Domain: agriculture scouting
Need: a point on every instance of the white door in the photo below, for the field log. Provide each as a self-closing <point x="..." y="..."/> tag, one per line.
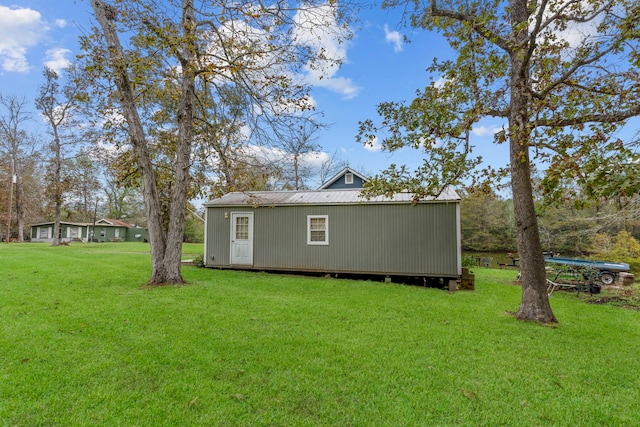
<point x="242" y="238"/>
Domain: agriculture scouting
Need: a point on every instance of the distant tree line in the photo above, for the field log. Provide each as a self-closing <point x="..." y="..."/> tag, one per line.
<point x="609" y="227"/>
<point x="77" y="171"/>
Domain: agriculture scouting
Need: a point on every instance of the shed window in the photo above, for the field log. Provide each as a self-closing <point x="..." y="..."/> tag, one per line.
<point x="242" y="228"/>
<point x="348" y="178"/>
<point x="317" y="229"/>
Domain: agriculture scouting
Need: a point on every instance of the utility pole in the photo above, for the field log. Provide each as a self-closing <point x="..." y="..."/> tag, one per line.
<point x="12" y="180"/>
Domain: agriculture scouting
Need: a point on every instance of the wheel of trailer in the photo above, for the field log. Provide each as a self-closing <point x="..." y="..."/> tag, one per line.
<point x="607" y="278"/>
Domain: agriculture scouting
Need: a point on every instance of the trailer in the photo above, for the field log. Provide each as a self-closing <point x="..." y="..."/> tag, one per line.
<point x="608" y="270"/>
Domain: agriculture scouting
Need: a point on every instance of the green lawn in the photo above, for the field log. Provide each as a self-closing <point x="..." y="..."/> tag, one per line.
<point x="83" y="342"/>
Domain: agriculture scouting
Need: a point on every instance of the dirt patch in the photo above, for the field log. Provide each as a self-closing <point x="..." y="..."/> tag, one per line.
<point x="606" y="300"/>
<point x="622" y="301"/>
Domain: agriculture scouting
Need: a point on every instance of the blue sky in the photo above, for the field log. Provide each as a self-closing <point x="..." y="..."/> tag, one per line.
<point x="377" y="66"/>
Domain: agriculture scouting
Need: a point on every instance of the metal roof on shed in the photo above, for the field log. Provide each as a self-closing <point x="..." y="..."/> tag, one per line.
<point x="320" y="197"/>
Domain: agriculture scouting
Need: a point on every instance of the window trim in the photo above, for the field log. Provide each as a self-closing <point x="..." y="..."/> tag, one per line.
<point x="348" y="178"/>
<point x="44" y="233"/>
<point x="324" y="242"/>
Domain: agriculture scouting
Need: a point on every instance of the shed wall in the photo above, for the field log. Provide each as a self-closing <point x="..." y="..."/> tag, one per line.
<point x="420" y="240"/>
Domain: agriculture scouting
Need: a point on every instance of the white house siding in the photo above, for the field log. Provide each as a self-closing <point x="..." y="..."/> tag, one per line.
<point x="43" y="234"/>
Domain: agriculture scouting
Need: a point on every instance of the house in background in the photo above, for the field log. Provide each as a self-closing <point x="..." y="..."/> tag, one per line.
<point x="345" y="179"/>
<point x="104" y="230"/>
<point x="335" y="231"/>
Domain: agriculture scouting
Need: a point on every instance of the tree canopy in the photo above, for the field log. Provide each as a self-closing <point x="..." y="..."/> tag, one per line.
<point x="187" y="74"/>
<point x="60" y="108"/>
<point x="562" y="74"/>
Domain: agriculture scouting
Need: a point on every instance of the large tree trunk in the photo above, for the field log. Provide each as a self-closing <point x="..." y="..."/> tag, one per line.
<point x="173" y="254"/>
<point x="157" y="239"/>
<point x="535" y="301"/>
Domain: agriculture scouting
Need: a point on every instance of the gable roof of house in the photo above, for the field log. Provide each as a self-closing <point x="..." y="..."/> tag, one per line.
<point x="322" y="197"/>
<point x="79" y="224"/>
<point x="339" y="175"/>
<point x="113" y="222"/>
<point x="104" y="222"/>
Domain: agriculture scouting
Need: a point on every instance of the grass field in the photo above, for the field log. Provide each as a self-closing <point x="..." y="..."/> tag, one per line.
<point x="84" y="343"/>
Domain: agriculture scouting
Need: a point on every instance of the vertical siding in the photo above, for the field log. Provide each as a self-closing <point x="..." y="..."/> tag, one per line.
<point x="342" y="184"/>
<point x="218" y="237"/>
<point x="369" y="238"/>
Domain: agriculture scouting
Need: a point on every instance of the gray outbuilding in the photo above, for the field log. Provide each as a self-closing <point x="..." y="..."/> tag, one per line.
<point x="335" y="231"/>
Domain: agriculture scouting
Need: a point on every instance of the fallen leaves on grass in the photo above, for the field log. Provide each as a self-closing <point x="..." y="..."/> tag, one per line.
<point x="470" y="394"/>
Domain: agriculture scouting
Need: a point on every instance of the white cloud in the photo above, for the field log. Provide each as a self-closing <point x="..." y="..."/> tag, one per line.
<point x="373" y="145"/>
<point x="114" y="117"/>
<point x="484" y="130"/>
<point x="439" y="84"/>
<point x="315" y="159"/>
<point x="61" y="23"/>
<point x="341" y="85"/>
<point x="292" y="106"/>
<point x="56" y="59"/>
<point x="318" y="29"/>
<point x="312" y="159"/>
<point x="20" y="30"/>
<point x="573" y="32"/>
<point x="63" y="115"/>
<point x="315" y="28"/>
<point x="393" y="37"/>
